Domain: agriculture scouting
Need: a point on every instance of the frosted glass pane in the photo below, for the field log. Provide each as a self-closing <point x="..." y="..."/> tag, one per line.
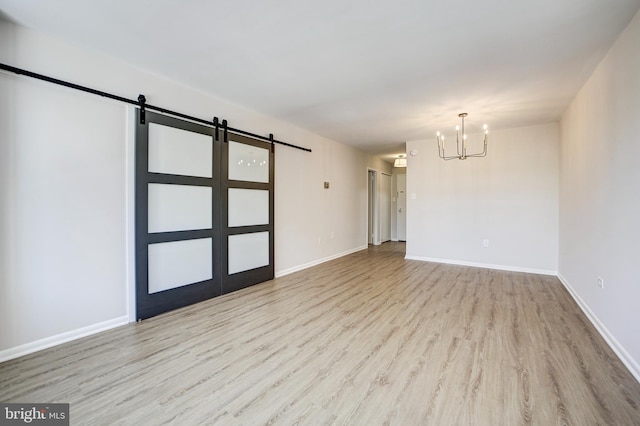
<point x="179" y="152"/>
<point x="179" y="207"/>
<point x="179" y="263"/>
<point x="248" y="251"/>
<point x="248" y="207"/>
<point x="248" y="163"/>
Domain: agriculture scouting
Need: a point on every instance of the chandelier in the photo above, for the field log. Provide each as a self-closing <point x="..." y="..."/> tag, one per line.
<point x="461" y="147"/>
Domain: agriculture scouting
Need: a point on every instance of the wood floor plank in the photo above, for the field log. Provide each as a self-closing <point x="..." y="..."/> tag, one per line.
<point x="370" y="338"/>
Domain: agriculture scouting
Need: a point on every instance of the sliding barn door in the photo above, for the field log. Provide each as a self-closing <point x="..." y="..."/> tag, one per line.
<point x="201" y="225"/>
<point x="247" y="212"/>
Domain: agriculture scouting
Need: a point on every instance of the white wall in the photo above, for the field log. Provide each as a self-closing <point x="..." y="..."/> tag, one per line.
<point x="600" y="196"/>
<point x="63" y="216"/>
<point x="66" y="212"/>
<point x="509" y="197"/>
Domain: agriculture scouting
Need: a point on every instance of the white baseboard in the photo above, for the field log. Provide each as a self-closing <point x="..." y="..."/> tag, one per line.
<point x="631" y="364"/>
<point x="48" y="342"/>
<point x="317" y="262"/>
<point x="484" y="265"/>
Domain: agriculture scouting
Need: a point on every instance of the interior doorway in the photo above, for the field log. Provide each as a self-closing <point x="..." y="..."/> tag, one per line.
<point x="384" y="197"/>
<point x="401" y="207"/>
<point x="372" y="217"/>
<point x="379" y="210"/>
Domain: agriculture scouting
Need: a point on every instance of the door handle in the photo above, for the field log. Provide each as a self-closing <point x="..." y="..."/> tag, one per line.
<point x="400" y="210"/>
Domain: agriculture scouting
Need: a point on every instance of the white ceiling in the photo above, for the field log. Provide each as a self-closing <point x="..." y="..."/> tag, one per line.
<point x="368" y="73"/>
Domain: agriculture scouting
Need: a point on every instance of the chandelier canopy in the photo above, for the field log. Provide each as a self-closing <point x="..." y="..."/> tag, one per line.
<point x="461" y="146"/>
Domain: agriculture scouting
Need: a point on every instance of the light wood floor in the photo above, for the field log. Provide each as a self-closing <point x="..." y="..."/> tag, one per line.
<point x="366" y="339"/>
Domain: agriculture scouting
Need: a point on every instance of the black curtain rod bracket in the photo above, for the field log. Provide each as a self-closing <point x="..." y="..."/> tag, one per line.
<point x="143" y="105"/>
<point x="272" y="144"/>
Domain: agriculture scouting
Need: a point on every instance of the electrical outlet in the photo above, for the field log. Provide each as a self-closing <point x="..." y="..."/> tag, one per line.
<point x="485" y="243"/>
<point x="600" y="282"/>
